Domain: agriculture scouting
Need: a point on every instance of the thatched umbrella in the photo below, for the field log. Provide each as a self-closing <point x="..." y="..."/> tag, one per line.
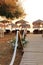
<point x="24" y="27"/>
<point x="14" y="26"/>
<point x="37" y="24"/>
<point x="2" y="25"/>
<point x="1" y="30"/>
<point x="42" y="24"/>
<point x="21" y="22"/>
<point x="5" y="23"/>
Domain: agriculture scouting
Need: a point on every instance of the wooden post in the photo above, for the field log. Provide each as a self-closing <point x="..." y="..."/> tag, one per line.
<point x="42" y="33"/>
<point x="1" y="33"/>
<point x="20" y="46"/>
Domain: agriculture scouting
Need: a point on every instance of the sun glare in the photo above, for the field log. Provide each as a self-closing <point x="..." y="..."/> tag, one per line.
<point x="33" y="9"/>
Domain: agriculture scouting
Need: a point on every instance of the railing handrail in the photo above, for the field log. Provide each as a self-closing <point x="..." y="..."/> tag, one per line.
<point x="15" y="49"/>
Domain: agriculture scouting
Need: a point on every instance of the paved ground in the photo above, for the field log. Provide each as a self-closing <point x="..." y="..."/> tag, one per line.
<point x="33" y="52"/>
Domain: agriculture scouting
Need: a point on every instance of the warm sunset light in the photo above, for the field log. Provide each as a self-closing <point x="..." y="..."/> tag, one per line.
<point x="21" y="32"/>
<point x="33" y="9"/>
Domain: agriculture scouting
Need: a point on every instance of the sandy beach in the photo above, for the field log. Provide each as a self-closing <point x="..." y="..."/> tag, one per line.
<point x="6" y="50"/>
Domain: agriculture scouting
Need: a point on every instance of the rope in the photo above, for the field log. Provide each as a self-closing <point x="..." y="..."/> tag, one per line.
<point x="15" y="49"/>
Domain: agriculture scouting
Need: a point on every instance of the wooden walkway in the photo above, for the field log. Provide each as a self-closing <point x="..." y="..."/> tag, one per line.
<point x="33" y="52"/>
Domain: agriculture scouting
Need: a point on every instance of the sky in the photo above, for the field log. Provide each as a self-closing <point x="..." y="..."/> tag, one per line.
<point x="33" y="9"/>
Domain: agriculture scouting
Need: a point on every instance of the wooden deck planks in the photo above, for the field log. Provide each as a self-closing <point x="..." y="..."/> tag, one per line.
<point x="33" y="52"/>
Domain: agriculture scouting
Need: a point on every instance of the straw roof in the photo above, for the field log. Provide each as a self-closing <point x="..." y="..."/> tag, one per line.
<point x="3" y="25"/>
<point x="37" y="22"/>
<point x="14" y="26"/>
<point x="21" y="22"/>
<point x="25" y="26"/>
<point x="41" y="23"/>
<point x="5" y="21"/>
<point x="36" y="26"/>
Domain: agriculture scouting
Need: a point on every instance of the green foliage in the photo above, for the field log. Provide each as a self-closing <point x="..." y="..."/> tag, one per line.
<point x="13" y="42"/>
<point x="23" y="41"/>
